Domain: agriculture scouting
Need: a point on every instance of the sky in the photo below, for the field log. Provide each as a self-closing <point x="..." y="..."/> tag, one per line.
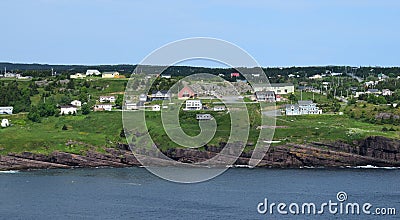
<point x="275" y="33"/>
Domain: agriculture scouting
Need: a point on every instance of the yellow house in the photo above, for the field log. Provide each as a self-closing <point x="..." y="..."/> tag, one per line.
<point x="110" y="75"/>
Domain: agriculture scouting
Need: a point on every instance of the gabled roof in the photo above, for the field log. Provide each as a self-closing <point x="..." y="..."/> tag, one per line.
<point x="67" y="106"/>
<point x="305" y="102"/>
<point x="265" y="93"/>
<point x="164" y="92"/>
<point x="373" y="90"/>
<point x="281" y="84"/>
<point x="290" y="105"/>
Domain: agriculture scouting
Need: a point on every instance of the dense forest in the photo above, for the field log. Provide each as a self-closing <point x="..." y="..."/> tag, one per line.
<point x="13" y="95"/>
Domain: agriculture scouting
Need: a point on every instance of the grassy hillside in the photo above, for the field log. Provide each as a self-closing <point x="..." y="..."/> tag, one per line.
<point x="308" y="128"/>
<point x="96" y="129"/>
<point x="100" y="129"/>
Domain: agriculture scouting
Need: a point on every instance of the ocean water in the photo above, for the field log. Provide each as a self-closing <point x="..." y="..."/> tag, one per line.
<point x="134" y="193"/>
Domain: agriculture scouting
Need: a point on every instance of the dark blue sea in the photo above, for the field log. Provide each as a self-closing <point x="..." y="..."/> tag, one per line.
<point x="134" y="193"/>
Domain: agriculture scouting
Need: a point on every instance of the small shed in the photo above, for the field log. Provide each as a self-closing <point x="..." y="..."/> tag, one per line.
<point x="5" y="123"/>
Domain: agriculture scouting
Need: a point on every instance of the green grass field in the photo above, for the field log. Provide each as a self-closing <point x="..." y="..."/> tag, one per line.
<point x="102" y="129"/>
<point x="308" y="128"/>
<point x="96" y="129"/>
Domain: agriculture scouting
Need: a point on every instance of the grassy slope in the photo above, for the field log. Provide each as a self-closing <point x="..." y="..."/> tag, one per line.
<point x="299" y="129"/>
<point x="98" y="129"/>
<point x="103" y="128"/>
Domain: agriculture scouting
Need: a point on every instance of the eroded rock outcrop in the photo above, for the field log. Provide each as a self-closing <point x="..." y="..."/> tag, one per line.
<point x="377" y="151"/>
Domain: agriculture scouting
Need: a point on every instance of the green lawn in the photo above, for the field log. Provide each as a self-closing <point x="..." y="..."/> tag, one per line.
<point x="307" y="128"/>
<point x="96" y="129"/>
<point x="100" y="129"/>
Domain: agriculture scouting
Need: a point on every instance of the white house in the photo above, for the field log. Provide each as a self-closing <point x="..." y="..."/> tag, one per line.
<point x="6" y="110"/>
<point x="278" y="88"/>
<point x="68" y="109"/>
<point x="193" y="105"/>
<point x="5" y="123"/>
<point x="386" y="92"/>
<point x="77" y="76"/>
<point x="92" y="72"/>
<point x="316" y="76"/>
<point x="109" y="75"/>
<point x="371" y="83"/>
<point x="203" y="117"/>
<point x="107" y="99"/>
<point x="143" y="98"/>
<point x="306" y="107"/>
<point x="156" y="108"/>
<point x="166" y="76"/>
<point x="358" y="94"/>
<point x="134" y="106"/>
<point x="9" y="75"/>
<point x="77" y="103"/>
<point x="160" y="95"/>
<point x="103" y="107"/>
<point x="24" y="77"/>
<point x="219" y="108"/>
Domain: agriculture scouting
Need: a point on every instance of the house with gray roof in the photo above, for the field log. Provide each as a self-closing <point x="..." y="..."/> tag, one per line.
<point x="306" y="107"/>
<point x="265" y="96"/>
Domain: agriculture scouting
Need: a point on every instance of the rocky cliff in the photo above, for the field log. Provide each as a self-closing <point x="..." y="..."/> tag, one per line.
<point x="377" y="151"/>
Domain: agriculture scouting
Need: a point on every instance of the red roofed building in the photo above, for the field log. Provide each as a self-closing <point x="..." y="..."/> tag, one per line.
<point x="186" y="93"/>
<point x="235" y="75"/>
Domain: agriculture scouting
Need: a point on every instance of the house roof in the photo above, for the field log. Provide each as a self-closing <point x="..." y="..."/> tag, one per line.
<point x="67" y="106"/>
<point x="188" y="87"/>
<point x="290" y="105"/>
<point x="164" y="92"/>
<point x="260" y="93"/>
<point x="305" y="102"/>
<point x="272" y="85"/>
<point x="281" y="84"/>
<point x="203" y="115"/>
<point x="373" y="90"/>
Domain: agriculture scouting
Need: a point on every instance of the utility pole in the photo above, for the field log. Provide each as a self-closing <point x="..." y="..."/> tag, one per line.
<point x="301" y="95"/>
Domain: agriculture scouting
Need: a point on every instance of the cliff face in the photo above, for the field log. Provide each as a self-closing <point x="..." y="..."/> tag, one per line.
<point x="377" y="151"/>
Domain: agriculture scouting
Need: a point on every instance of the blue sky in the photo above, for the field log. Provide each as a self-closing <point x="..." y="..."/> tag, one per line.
<point x="275" y="33"/>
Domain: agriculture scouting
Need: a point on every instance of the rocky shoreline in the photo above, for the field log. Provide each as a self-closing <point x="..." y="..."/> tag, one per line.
<point x="375" y="151"/>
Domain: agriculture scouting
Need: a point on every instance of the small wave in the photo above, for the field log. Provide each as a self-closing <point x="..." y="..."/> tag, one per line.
<point x="9" y="171"/>
<point x="133" y="184"/>
<point x="375" y="167"/>
<point x="240" y="166"/>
